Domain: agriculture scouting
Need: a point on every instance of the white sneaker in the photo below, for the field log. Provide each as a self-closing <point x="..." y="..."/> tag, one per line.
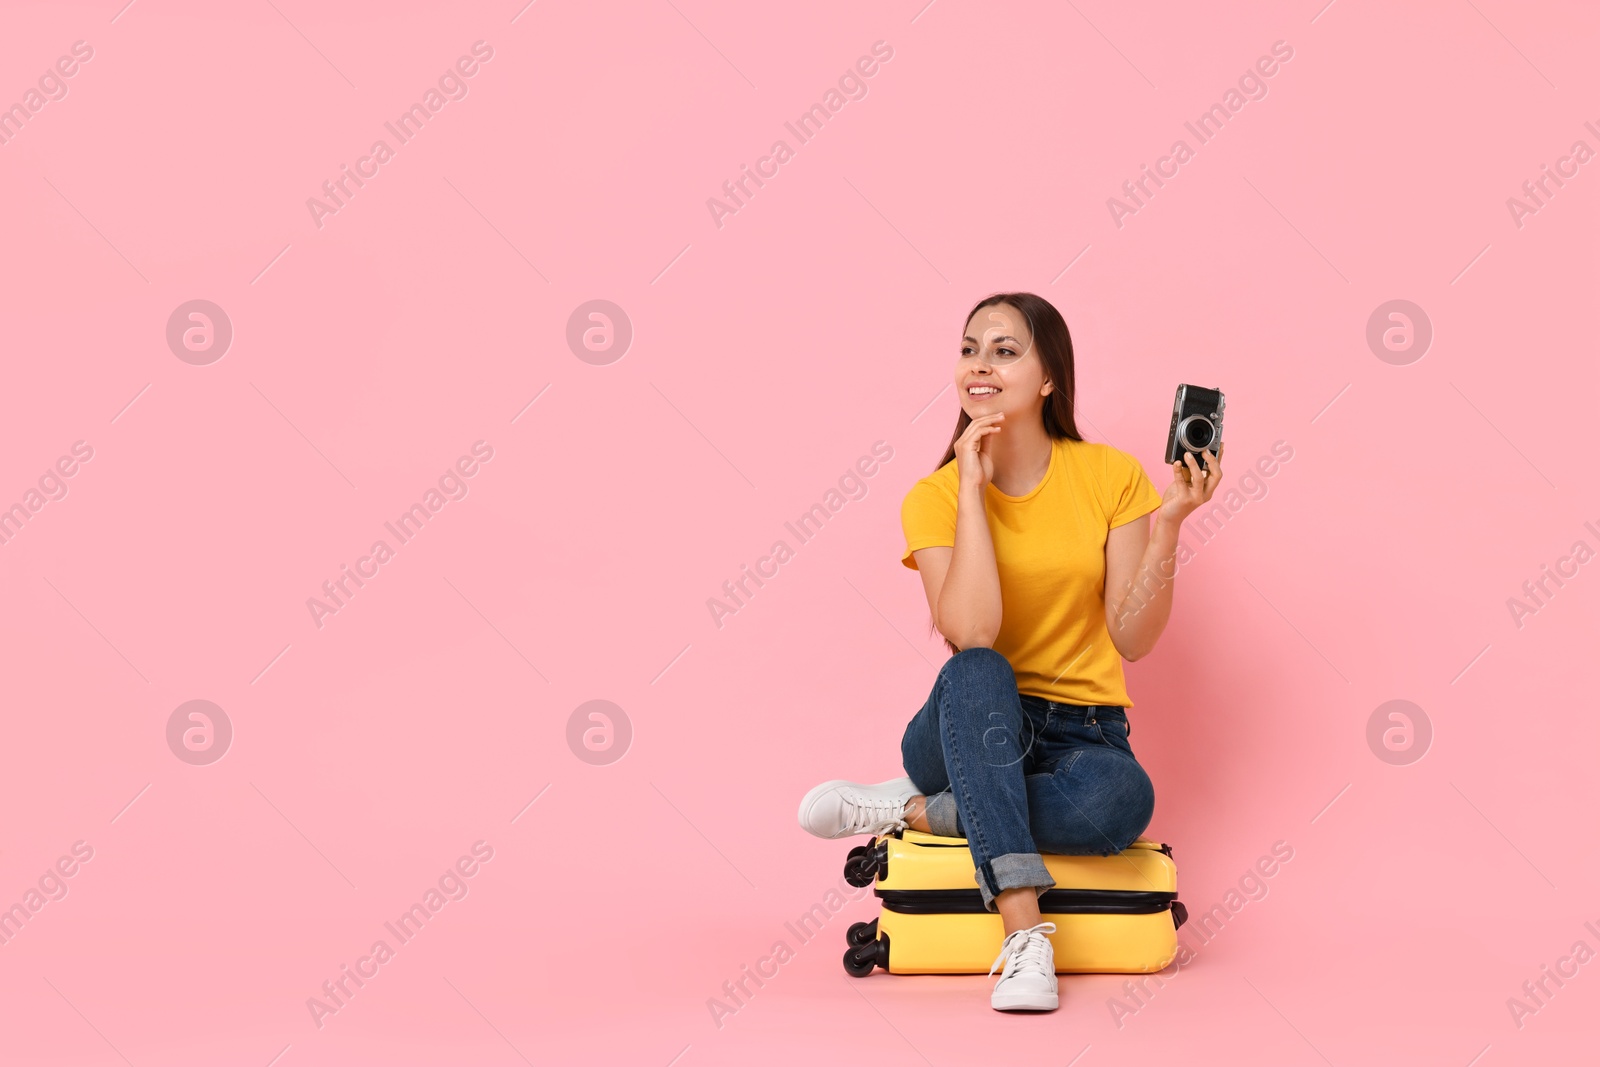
<point x="1028" y="982"/>
<point x="841" y="809"/>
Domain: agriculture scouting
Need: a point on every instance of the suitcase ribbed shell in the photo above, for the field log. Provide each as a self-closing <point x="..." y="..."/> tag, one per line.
<point x="1114" y="914"/>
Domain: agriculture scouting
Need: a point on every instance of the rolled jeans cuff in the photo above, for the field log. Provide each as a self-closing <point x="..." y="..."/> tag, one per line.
<point x="1011" y="871"/>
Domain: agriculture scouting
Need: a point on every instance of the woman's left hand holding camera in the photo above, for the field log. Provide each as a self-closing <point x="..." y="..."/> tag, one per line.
<point x="1191" y="487"/>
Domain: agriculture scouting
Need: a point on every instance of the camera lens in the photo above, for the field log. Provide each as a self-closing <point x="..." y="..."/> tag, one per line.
<point x="1196" y="433"/>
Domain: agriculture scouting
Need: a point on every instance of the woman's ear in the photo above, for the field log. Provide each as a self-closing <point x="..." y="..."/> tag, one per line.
<point x="1047" y="387"/>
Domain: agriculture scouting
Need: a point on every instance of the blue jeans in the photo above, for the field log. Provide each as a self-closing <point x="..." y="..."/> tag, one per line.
<point x="1017" y="775"/>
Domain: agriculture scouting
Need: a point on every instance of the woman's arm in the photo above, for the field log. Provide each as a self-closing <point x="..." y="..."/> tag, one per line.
<point x="964" y="598"/>
<point x="1139" y="572"/>
<point x="963" y="582"/>
<point x="1141" y="565"/>
<point x="969" y="608"/>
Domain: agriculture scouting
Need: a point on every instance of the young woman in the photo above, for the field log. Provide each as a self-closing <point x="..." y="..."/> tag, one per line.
<point x="1043" y="574"/>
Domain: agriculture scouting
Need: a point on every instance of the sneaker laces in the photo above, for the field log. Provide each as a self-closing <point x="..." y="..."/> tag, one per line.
<point x="1027" y="947"/>
<point x="874" y="815"/>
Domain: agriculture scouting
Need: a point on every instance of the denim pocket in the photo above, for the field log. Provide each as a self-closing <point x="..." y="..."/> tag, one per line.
<point x="1114" y="732"/>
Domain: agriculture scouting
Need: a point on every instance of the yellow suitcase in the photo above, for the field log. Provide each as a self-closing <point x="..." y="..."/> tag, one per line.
<point x="1114" y="914"/>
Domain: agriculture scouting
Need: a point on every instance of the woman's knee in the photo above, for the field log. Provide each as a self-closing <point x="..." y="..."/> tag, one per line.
<point x="978" y="682"/>
<point x="979" y="664"/>
<point x="976" y="658"/>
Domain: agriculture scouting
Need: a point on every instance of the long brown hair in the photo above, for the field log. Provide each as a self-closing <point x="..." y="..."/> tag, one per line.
<point x="1053" y="342"/>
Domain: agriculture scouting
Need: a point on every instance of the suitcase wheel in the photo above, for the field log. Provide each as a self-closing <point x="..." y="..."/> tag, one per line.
<point x="865" y="863"/>
<point x="862" y="933"/>
<point x="859" y="960"/>
<point x="860" y="869"/>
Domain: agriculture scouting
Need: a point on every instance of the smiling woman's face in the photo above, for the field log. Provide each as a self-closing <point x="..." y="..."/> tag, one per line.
<point x="997" y="354"/>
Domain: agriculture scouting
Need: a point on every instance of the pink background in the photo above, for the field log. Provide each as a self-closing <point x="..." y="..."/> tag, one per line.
<point x="769" y="355"/>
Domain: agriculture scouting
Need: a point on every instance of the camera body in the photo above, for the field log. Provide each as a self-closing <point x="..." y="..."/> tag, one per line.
<point x="1196" y="423"/>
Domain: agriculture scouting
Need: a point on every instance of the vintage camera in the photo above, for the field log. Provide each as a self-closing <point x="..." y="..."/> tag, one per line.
<point x="1196" y="423"/>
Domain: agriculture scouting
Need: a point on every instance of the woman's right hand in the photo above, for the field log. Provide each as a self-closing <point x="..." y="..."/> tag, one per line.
<point x="974" y="464"/>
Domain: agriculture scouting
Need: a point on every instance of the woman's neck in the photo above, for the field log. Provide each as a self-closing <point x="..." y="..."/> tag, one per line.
<point x="1020" y="461"/>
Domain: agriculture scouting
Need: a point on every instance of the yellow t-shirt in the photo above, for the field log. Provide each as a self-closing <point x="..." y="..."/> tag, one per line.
<point x="1050" y="552"/>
